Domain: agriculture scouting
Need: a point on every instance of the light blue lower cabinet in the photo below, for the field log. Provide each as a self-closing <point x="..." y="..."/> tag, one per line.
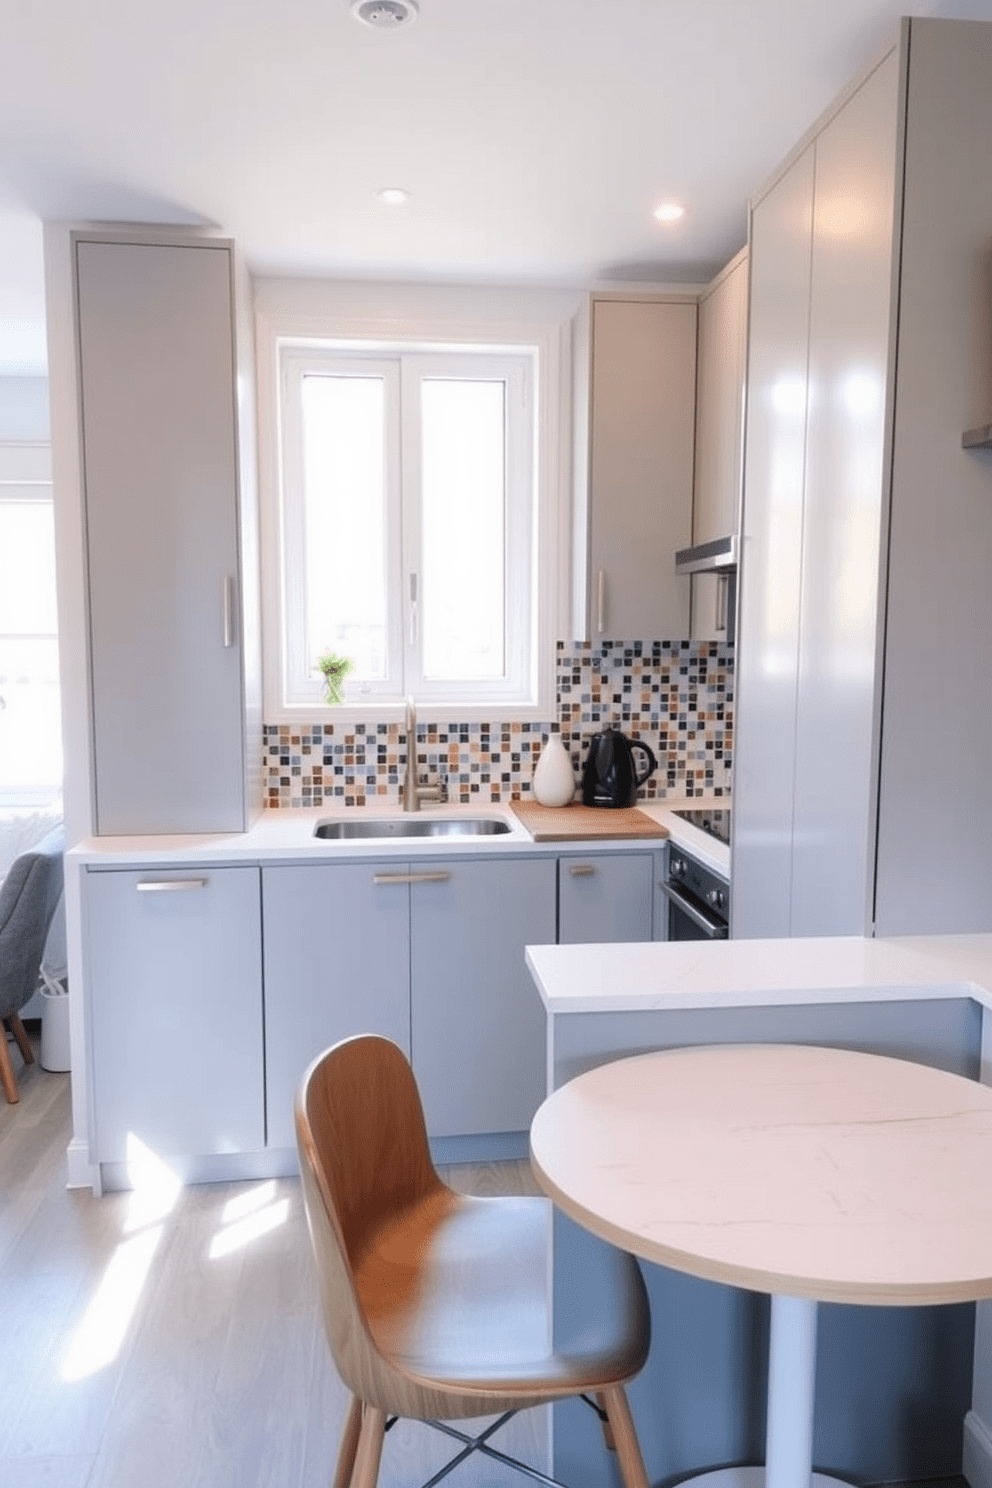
<point x="606" y="897"/>
<point x="430" y="954"/>
<point x="478" y="1023"/>
<point x="173" y="968"/>
<point x="337" y="962"/>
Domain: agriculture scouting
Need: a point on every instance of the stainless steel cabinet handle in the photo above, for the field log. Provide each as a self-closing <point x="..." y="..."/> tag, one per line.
<point x="581" y="870"/>
<point x="712" y="929"/>
<point x="600" y="601"/>
<point x="170" y="885"/>
<point x="229" y="626"/>
<point x="407" y="878"/>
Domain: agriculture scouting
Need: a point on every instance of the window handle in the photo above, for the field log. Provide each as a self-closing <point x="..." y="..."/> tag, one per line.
<point x="413" y="609"/>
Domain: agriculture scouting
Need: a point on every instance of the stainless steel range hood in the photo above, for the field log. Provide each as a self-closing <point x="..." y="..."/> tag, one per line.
<point x="718" y="556"/>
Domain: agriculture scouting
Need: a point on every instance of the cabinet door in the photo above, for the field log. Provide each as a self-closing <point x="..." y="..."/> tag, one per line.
<point x="716" y="495"/>
<point x="771" y="557"/>
<point x="720" y="404"/>
<point x="156" y="358"/>
<point x="605" y="897"/>
<point x="337" y="962"/>
<point x="478" y="1021"/>
<point x="174" y="972"/>
<point x="642" y="412"/>
<point x="839" y="648"/>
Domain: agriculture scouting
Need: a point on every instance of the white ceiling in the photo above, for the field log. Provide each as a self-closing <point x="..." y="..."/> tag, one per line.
<point x="535" y="136"/>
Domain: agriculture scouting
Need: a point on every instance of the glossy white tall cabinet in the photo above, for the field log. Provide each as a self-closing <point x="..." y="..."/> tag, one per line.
<point x="164" y="529"/>
<point x="809" y="671"/>
<point x="864" y="668"/>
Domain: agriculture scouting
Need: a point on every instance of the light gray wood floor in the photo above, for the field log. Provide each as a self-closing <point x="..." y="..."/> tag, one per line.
<point x="145" y="1346"/>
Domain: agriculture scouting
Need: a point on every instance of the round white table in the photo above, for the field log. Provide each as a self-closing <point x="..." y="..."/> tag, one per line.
<point x="813" y="1174"/>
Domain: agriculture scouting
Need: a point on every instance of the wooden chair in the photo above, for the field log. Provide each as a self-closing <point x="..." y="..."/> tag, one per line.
<point x="435" y="1304"/>
<point x="29" y="896"/>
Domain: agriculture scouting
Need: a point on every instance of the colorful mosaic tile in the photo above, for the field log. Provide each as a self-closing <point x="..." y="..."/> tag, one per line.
<point x="675" y="696"/>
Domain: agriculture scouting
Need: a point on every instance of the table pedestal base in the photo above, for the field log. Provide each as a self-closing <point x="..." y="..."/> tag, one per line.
<point x="755" y="1477"/>
<point x="791" y="1386"/>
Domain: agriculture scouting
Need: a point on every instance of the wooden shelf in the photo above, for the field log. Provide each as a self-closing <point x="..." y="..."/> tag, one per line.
<point x="977" y="438"/>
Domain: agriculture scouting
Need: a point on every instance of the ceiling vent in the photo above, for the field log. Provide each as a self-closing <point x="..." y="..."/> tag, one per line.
<point x="385" y="15"/>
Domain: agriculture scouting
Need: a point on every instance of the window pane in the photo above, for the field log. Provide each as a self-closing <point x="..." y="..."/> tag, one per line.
<point x="463" y="528"/>
<point x="27" y="568"/>
<point x="344" y="512"/>
<point x="30" y="724"/>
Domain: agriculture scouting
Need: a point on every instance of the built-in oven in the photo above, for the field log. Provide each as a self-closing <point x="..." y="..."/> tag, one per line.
<point x="698" y="898"/>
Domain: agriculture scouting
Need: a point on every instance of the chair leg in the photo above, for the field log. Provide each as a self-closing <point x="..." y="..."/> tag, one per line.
<point x="628" y="1448"/>
<point x="349" y="1444"/>
<point x="369" y="1452"/>
<point x="17" y="1029"/>
<point x="6" y="1068"/>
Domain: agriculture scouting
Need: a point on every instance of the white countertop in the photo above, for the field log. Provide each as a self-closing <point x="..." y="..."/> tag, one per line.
<point x="641" y="976"/>
<point x="288" y="836"/>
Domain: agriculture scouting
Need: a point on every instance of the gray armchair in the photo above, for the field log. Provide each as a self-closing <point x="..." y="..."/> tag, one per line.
<point x="28" y="898"/>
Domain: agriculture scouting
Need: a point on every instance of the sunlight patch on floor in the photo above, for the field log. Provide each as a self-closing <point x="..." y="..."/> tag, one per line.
<point x="248" y="1216"/>
<point x="98" y="1339"/>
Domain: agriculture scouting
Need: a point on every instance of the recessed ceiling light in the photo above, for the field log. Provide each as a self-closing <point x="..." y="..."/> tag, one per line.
<point x="669" y="212"/>
<point x="392" y="196"/>
<point x="385" y="15"/>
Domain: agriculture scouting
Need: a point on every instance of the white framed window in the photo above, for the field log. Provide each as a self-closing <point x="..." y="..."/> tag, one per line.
<point x="30" y="714"/>
<point x="412" y="519"/>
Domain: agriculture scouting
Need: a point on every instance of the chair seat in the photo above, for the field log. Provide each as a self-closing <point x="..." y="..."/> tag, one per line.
<point x="457" y="1295"/>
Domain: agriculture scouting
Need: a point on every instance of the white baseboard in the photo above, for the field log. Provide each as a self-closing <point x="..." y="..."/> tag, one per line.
<point x="83" y="1173"/>
<point x="977" y="1454"/>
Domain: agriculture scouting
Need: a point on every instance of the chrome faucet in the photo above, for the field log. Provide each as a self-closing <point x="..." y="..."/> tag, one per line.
<point x="413" y="791"/>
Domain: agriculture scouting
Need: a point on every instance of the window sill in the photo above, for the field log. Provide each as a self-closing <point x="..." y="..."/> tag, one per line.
<point x="428" y="712"/>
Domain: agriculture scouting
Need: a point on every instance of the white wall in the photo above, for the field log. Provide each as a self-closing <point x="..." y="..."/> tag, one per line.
<point x="24" y="410"/>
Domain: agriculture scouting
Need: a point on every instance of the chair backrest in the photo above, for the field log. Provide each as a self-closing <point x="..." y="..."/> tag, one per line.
<point x="364" y="1159"/>
<point x="28" y="898"/>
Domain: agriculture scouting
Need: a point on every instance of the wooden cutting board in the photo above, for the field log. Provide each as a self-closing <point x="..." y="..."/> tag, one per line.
<point x="584" y="823"/>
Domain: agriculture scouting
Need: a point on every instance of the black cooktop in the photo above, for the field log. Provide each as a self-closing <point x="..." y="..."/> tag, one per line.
<point x="714" y="821"/>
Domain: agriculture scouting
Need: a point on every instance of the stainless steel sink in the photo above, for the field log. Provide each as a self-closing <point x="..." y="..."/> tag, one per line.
<point x="416" y="826"/>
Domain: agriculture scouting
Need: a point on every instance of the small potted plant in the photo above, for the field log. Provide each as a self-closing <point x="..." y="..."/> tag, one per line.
<point x="335" y="669"/>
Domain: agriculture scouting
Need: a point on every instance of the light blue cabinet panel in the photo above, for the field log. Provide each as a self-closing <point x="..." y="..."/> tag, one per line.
<point x="478" y="1022"/>
<point x="605" y="898"/>
<point x="337" y="963"/>
<point x="175" y="1003"/>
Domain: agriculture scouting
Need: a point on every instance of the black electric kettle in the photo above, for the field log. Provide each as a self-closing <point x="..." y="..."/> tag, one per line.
<point x="610" y="776"/>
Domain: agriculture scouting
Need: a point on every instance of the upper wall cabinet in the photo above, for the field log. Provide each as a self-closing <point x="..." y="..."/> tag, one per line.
<point x="635" y="421"/>
<point x="173" y="655"/>
<point x="716" y="499"/>
<point x="865" y="603"/>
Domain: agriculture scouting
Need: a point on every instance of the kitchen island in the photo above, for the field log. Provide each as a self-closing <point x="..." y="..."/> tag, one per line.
<point x="893" y="1384"/>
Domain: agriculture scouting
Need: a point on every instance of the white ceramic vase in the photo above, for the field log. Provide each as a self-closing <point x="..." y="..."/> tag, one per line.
<point x="554" y="780"/>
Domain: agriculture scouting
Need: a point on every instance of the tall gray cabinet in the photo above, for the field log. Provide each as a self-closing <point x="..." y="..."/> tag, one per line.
<point x="864" y="668"/>
<point x="169" y="532"/>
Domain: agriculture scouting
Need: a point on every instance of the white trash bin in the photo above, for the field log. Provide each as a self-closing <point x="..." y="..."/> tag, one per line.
<point x="55" y="1028"/>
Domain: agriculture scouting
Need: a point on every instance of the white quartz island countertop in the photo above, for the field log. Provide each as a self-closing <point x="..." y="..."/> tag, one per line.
<point x="642" y="977"/>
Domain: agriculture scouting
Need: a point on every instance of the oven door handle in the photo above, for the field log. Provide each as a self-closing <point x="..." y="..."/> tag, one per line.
<point x="712" y="929"/>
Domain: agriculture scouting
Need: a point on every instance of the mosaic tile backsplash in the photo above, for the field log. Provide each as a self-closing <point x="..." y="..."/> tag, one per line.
<point x="675" y="696"/>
